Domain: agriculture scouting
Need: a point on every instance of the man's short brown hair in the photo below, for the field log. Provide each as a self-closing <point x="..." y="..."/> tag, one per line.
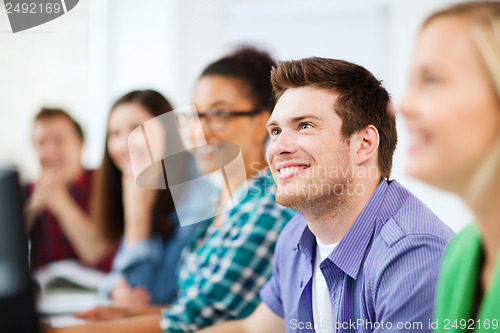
<point x="50" y="113"/>
<point x="362" y="100"/>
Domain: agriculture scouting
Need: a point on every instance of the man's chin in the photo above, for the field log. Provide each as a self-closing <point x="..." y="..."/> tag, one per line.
<point x="296" y="196"/>
<point x="288" y="200"/>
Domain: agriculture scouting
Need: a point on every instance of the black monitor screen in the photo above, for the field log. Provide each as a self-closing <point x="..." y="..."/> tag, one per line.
<point x="17" y="311"/>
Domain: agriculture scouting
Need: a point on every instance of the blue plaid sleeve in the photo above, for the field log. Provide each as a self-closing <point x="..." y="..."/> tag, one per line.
<point x="222" y="278"/>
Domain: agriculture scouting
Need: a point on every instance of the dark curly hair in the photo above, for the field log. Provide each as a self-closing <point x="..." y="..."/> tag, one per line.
<point x="253" y="68"/>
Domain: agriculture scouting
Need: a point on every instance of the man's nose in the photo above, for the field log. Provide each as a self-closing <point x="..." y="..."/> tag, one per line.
<point x="284" y="144"/>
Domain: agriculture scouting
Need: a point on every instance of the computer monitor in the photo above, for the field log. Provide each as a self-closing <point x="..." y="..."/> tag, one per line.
<point x="17" y="307"/>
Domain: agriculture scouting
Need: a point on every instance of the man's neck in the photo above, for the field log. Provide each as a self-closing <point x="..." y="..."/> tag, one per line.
<point x="330" y="219"/>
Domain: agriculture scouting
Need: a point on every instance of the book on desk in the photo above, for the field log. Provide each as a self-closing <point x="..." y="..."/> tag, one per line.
<point x="67" y="287"/>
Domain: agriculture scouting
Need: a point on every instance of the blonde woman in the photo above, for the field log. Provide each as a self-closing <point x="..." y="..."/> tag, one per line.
<point x="452" y="109"/>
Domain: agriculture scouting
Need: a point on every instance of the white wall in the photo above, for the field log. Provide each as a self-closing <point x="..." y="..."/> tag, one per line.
<point x="102" y="49"/>
<point x="47" y="65"/>
<point x="130" y="47"/>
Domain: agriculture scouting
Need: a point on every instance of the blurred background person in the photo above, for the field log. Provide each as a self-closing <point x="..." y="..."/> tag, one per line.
<point x="143" y="220"/>
<point x="58" y="204"/>
<point x="224" y="264"/>
<point x="452" y="108"/>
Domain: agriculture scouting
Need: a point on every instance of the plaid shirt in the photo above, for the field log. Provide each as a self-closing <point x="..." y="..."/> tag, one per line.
<point x="223" y="269"/>
<point x="48" y="242"/>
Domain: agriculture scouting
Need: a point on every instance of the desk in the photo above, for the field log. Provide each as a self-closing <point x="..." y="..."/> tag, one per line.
<point x="58" y="302"/>
<point x="58" y="305"/>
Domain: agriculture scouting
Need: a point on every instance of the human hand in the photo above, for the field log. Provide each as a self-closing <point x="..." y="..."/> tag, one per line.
<point x="103" y="313"/>
<point x="137" y="202"/>
<point x="124" y="295"/>
<point x="52" y="192"/>
<point x="32" y="209"/>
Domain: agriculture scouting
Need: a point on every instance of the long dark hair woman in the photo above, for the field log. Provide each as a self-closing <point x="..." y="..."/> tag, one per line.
<point x="145" y="220"/>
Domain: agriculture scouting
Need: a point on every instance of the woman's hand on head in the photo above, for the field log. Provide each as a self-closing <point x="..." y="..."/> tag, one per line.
<point x="138" y="202"/>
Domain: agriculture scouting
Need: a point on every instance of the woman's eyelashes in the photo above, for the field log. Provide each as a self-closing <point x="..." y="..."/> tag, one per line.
<point x="429" y="78"/>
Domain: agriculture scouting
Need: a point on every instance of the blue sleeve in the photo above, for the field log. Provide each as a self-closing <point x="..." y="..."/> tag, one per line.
<point x="404" y="286"/>
<point x="151" y="264"/>
<point x="270" y="294"/>
<point x="114" y="275"/>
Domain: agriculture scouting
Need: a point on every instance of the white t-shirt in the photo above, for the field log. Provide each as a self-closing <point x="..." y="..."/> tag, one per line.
<point x="322" y="306"/>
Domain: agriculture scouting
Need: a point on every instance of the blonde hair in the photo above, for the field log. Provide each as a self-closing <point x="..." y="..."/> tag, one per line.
<point x="483" y="19"/>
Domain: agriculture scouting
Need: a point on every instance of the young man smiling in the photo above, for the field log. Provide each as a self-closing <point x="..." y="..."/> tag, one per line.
<point x="58" y="204"/>
<point x="363" y="253"/>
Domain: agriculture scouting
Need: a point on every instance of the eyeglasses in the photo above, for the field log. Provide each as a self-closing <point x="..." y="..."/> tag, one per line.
<point x="217" y="119"/>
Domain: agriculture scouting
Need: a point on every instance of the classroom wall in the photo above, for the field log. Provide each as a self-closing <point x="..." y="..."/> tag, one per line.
<point x="47" y="65"/>
<point x="102" y="49"/>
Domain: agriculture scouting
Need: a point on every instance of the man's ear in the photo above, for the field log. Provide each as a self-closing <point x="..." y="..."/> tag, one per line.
<point x="367" y="143"/>
<point x="260" y="125"/>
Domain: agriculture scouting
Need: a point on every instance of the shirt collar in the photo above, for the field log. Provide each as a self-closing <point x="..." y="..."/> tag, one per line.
<point x="349" y="254"/>
<point x="306" y="243"/>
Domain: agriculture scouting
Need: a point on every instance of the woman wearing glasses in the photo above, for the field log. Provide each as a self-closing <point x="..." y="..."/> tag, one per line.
<point x="452" y="109"/>
<point x="228" y="263"/>
<point x="225" y="264"/>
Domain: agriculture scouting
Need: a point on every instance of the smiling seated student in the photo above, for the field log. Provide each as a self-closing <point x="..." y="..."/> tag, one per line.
<point x="362" y="254"/>
<point x="225" y="264"/>
<point x="452" y="108"/>
<point x="57" y="210"/>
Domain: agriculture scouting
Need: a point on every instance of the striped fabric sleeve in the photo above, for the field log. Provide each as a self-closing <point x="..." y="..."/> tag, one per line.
<point x="227" y="286"/>
<point x="270" y="294"/>
<point x="403" y="288"/>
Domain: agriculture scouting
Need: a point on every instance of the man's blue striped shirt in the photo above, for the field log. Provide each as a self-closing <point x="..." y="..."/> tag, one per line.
<point x="381" y="276"/>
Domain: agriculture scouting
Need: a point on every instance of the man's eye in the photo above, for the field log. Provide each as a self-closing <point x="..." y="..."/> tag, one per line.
<point x="305" y="125"/>
<point x="275" y="131"/>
